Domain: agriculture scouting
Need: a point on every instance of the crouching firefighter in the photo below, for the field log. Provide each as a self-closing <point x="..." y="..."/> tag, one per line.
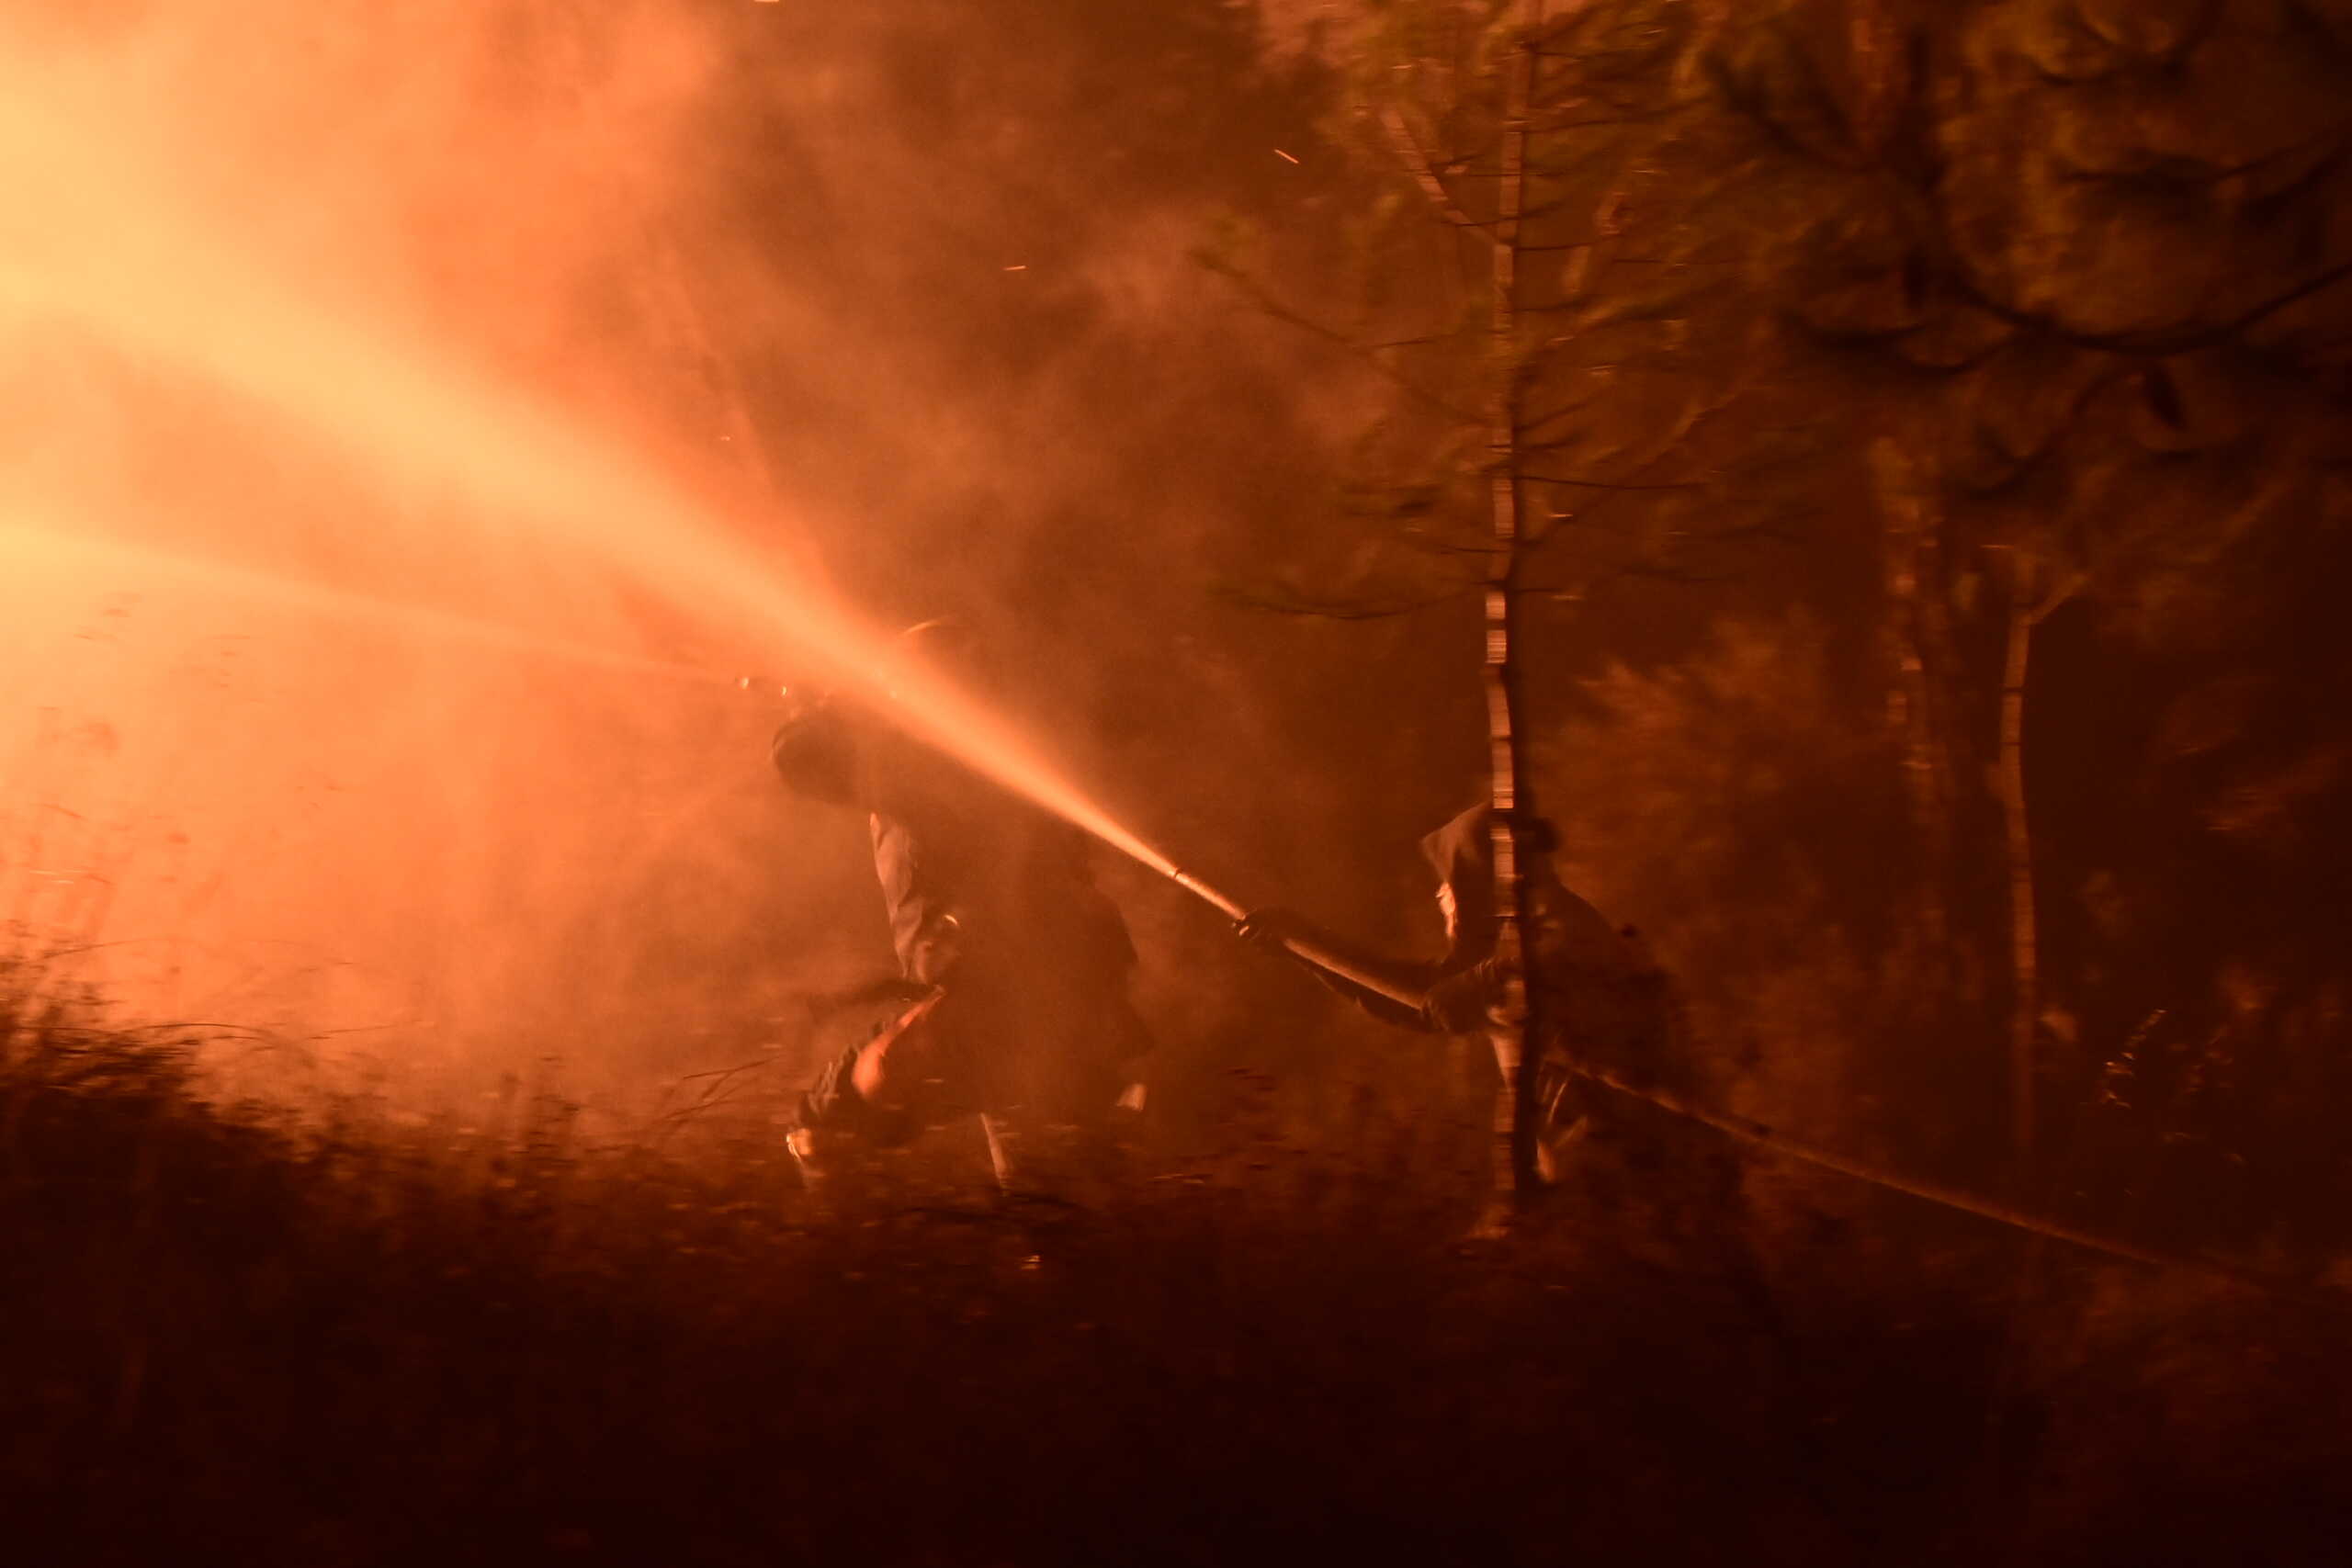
<point x="1011" y="1002"/>
<point x="1601" y="999"/>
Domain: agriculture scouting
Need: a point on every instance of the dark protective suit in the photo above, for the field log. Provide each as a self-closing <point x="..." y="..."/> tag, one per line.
<point x="995" y="917"/>
<point x="1603" y="997"/>
<point x="1602" y="1002"/>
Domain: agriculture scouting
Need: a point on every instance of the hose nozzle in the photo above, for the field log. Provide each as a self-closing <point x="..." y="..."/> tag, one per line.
<point x="1201" y="890"/>
<point x="1312" y="952"/>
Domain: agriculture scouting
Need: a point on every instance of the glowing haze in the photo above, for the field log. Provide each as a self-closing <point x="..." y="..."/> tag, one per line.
<point x="103" y="247"/>
<point x="249" y="406"/>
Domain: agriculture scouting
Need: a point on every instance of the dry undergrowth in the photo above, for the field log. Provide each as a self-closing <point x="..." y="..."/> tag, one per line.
<point x="230" y="1332"/>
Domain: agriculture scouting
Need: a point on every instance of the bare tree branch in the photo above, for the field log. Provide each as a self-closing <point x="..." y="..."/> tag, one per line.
<point x="1417" y="163"/>
<point x="1307" y="608"/>
<point x="2156" y="345"/>
<point x="1275" y="308"/>
<point x="1608" y="484"/>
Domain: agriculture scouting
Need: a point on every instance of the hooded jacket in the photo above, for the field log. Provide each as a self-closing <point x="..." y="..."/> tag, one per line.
<point x="1602" y="995"/>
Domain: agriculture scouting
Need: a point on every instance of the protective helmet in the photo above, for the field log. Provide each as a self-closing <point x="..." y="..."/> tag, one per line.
<point x="815" y="752"/>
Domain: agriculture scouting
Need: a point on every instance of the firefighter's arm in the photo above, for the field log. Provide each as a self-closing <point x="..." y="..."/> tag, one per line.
<point x="1378" y="984"/>
<point x="1462" y="1001"/>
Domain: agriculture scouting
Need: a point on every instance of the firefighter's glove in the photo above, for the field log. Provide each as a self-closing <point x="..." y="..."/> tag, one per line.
<point x="1272" y="928"/>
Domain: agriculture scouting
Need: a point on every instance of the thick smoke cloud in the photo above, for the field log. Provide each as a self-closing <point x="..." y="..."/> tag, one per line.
<point x="280" y="807"/>
<point x="905" y="289"/>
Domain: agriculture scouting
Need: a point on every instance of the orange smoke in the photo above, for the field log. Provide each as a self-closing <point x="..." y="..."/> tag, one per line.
<point x="492" y="505"/>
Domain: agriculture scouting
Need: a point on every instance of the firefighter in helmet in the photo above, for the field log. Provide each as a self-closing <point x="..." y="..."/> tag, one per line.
<point x="1012" y="1000"/>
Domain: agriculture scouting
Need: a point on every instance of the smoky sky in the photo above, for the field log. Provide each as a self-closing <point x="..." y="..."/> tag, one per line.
<point x="906" y="290"/>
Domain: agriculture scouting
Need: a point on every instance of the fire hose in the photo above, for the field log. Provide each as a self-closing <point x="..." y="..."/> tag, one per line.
<point x="1760" y="1134"/>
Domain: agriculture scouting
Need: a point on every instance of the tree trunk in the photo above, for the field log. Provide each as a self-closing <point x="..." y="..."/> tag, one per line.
<point x="1912" y="573"/>
<point x="1518" y="1043"/>
<point x="2029" y="604"/>
<point x="2025" y="1007"/>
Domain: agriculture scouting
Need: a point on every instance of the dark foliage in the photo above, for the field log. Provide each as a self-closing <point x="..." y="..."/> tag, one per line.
<point x="232" y="1339"/>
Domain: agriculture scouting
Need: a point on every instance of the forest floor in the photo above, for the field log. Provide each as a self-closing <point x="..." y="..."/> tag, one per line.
<point x="227" y="1333"/>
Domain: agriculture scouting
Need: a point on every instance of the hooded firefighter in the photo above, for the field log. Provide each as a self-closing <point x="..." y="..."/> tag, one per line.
<point x="1604" y="1000"/>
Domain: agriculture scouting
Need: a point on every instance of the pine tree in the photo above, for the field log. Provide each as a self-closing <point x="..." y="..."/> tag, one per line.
<point x="1556" y="354"/>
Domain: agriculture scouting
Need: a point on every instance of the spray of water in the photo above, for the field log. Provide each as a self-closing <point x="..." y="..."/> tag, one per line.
<point x="101" y="243"/>
<point x="35" y="547"/>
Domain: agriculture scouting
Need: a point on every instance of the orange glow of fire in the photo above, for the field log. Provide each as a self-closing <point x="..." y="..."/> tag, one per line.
<point x="97" y="240"/>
